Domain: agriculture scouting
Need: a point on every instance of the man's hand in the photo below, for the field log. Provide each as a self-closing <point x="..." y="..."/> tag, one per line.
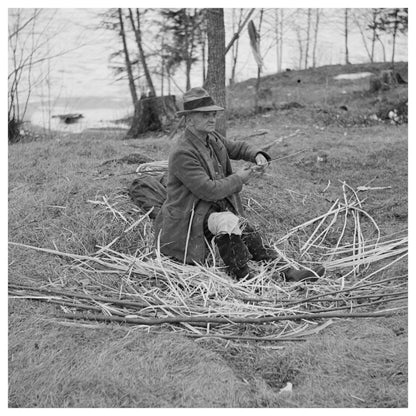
<point x="244" y="174"/>
<point x="261" y="160"/>
<point x="254" y="170"/>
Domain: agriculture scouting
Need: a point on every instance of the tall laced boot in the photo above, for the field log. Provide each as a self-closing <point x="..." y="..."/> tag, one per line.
<point x="260" y="252"/>
<point x="293" y="275"/>
<point x="234" y="254"/>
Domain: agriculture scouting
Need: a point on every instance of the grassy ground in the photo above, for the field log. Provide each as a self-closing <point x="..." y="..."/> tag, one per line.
<point x="353" y="363"/>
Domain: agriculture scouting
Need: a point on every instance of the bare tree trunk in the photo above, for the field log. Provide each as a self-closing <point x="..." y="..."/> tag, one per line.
<point x="394" y="47"/>
<point x="48" y="86"/>
<point x="129" y="70"/>
<point x="234" y="50"/>
<point x="347" y="59"/>
<point x="281" y="39"/>
<point x="138" y="34"/>
<point x="189" y="46"/>
<point x="169" y="81"/>
<point x="299" y="37"/>
<point x="259" y="66"/>
<point x="315" y="38"/>
<point x="374" y="37"/>
<point x="237" y="34"/>
<point x="276" y="34"/>
<point x="29" y="48"/>
<point x="215" y="82"/>
<point x="382" y="47"/>
<point x="362" y="36"/>
<point x="308" y="36"/>
<point x="396" y="24"/>
<point x="188" y="75"/>
<point x="163" y="59"/>
<point x="204" y="71"/>
<point x="162" y="72"/>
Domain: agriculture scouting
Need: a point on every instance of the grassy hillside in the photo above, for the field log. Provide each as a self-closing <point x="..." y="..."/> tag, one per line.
<point x="318" y="88"/>
<point x="53" y="182"/>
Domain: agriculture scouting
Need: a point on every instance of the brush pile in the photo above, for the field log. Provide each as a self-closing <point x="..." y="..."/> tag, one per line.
<point x="366" y="277"/>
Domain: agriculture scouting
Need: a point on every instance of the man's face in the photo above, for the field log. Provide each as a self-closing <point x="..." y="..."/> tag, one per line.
<point x="204" y="121"/>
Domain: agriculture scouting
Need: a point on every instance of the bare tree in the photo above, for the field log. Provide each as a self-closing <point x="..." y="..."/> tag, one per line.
<point x="278" y="39"/>
<point x="393" y="21"/>
<point x="282" y="21"/>
<point x="215" y="82"/>
<point x="301" y="26"/>
<point x="185" y="26"/>
<point x="170" y="59"/>
<point x="315" y="37"/>
<point x="346" y="32"/>
<point x="383" y="48"/>
<point x="358" y="15"/>
<point x="138" y="35"/>
<point x="255" y="38"/>
<point x="28" y="45"/>
<point x="300" y="45"/>
<point x="234" y="48"/>
<point x="162" y="56"/>
<point x="202" y="34"/>
<point x="373" y="27"/>
<point x="240" y="28"/>
<point x="18" y="64"/>
<point x="308" y="36"/>
<point x="127" y="60"/>
<point x="367" y="20"/>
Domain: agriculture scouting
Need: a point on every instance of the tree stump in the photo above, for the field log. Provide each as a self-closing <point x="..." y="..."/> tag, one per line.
<point x="152" y="114"/>
<point x="387" y="79"/>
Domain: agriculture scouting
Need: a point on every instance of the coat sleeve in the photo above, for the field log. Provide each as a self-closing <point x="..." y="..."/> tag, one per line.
<point x="241" y="150"/>
<point x="187" y="167"/>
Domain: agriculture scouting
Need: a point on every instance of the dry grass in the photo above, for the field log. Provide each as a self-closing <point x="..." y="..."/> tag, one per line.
<point x="359" y="364"/>
<point x="97" y="367"/>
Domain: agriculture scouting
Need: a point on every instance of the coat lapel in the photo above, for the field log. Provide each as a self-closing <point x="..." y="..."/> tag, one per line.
<point x="203" y="151"/>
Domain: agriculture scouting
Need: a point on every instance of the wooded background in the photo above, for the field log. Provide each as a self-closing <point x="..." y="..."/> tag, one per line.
<point x="159" y="51"/>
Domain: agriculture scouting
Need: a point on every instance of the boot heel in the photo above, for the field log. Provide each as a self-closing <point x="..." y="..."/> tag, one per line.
<point x="292" y="275"/>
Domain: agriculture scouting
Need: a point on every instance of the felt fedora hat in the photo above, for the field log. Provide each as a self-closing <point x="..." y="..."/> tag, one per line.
<point x="196" y="100"/>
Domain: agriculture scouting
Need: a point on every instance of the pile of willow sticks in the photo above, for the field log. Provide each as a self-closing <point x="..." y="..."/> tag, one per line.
<point x="148" y="289"/>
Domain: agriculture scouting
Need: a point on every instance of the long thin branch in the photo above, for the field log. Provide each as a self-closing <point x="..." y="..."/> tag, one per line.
<point x="65" y="303"/>
<point x="227" y="320"/>
<point x="374" y="295"/>
<point x="317" y="297"/>
<point x="245" y="338"/>
<point x="83" y="296"/>
<point x="23" y="25"/>
<point x="40" y="60"/>
<point x="237" y="34"/>
<point x="360" y="305"/>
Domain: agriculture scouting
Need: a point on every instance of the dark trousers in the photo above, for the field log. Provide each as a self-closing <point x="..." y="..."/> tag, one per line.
<point x="237" y="250"/>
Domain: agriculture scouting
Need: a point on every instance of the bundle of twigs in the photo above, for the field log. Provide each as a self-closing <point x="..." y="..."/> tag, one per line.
<point x="156" y="167"/>
<point x="146" y="289"/>
<point x="357" y="246"/>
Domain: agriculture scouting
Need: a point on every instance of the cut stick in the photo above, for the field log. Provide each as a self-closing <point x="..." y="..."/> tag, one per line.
<point x="225" y="320"/>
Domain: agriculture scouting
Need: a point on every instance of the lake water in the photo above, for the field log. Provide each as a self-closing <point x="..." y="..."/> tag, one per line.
<point x="93" y="118"/>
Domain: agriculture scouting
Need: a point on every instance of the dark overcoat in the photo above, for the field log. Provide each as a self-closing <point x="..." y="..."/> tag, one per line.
<point x="192" y="188"/>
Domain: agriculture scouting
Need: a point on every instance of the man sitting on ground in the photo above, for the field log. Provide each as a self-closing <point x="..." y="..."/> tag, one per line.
<point x="203" y="202"/>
